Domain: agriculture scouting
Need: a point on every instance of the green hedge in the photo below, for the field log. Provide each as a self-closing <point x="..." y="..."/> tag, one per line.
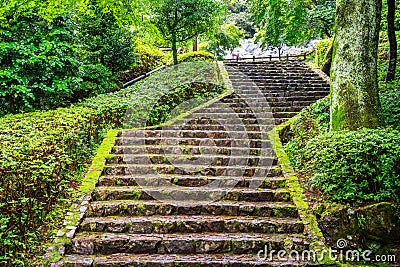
<point x="355" y="167"/>
<point x="348" y="167"/>
<point x="196" y="57"/>
<point x="42" y="152"/>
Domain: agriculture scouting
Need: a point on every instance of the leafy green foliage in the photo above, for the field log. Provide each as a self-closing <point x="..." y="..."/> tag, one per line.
<point x="163" y="89"/>
<point x="391" y="107"/>
<point x="196" y="57"/>
<point x="239" y="13"/>
<point x="309" y="123"/>
<point x="227" y="37"/>
<point x="102" y="41"/>
<point x="321" y="51"/>
<point x="179" y="21"/>
<point x="292" y="22"/>
<point x="38" y="64"/>
<point x="41" y="153"/>
<point x="148" y="58"/>
<point x="45" y="65"/>
<point x="348" y="167"/>
<point x="361" y="166"/>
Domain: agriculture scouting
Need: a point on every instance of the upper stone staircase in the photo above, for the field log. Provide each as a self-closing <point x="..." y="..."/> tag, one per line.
<point x="205" y="191"/>
<point x="289" y="86"/>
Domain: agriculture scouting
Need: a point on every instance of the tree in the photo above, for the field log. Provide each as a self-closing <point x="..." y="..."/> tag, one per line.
<point x="354" y="88"/>
<point x="391" y="71"/>
<point x="292" y="21"/>
<point x="182" y="20"/>
<point x="227" y="37"/>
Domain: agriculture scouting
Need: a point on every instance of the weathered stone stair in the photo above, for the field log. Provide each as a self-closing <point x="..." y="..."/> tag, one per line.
<point x="203" y="192"/>
<point x="289" y="86"/>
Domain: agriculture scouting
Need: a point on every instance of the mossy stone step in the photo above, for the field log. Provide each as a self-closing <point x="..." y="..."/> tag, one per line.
<point x="193" y="150"/>
<point x="86" y="243"/>
<point x="187" y="133"/>
<point x="191" y="224"/>
<point x="181" y="260"/>
<point x="185" y="193"/>
<point x="192" y="169"/>
<point x="187" y="180"/>
<point x="211" y="158"/>
<point x="225" y="208"/>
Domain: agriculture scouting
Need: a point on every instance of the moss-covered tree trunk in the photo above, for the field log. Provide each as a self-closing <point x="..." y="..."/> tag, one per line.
<point x="354" y="87"/>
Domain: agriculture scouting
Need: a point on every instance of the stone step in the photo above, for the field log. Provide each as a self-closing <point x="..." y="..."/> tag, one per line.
<point x="277" y="74"/>
<point x="181" y="260"/>
<point x="205" y="243"/>
<point x="180" y="193"/>
<point x="192" y="150"/>
<point x="188" y="169"/>
<point x="270" y="95"/>
<point x="250" y="160"/>
<point x="218" y="208"/>
<point x="187" y="180"/>
<point x="191" y="133"/>
<point x="231" y="141"/>
<point x="274" y="83"/>
<point x="251" y="112"/>
<point x="192" y="224"/>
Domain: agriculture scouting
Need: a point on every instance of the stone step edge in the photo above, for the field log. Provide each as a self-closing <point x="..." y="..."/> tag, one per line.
<point x="180" y="260"/>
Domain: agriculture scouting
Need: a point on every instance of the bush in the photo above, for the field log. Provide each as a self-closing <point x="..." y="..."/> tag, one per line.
<point x="196" y="57"/>
<point x="391" y="108"/>
<point x="41" y="154"/>
<point x="354" y="167"/>
<point x="309" y="123"/>
<point x="38" y="65"/>
<point x="348" y="167"/>
<point x="321" y="51"/>
<point x="163" y="90"/>
<point x="148" y="58"/>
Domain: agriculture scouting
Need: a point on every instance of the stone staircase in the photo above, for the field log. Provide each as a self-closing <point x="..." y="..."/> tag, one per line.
<point x="288" y="86"/>
<point x="205" y="190"/>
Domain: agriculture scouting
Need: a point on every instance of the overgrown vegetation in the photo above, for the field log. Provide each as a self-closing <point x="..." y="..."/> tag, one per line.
<point x="45" y="65"/>
<point x="356" y="167"/>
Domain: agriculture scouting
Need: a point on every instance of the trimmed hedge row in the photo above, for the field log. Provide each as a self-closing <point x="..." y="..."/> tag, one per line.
<point x="42" y="152"/>
<point x="355" y="167"/>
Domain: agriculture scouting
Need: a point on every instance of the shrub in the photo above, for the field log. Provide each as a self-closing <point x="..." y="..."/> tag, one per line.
<point x="321" y="51"/>
<point x="163" y="90"/>
<point x="391" y="108"/>
<point x="354" y="167"/>
<point x="196" y="57"/>
<point x="41" y="154"/>
<point x="38" y="65"/>
<point x="309" y="123"/>
<point x="148" y="58"/>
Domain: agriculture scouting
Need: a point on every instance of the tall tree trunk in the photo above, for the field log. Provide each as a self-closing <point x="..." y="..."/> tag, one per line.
<point x="174" y="50"/>
<point x="391" y="71"/>
<point x="354" y="86"/>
